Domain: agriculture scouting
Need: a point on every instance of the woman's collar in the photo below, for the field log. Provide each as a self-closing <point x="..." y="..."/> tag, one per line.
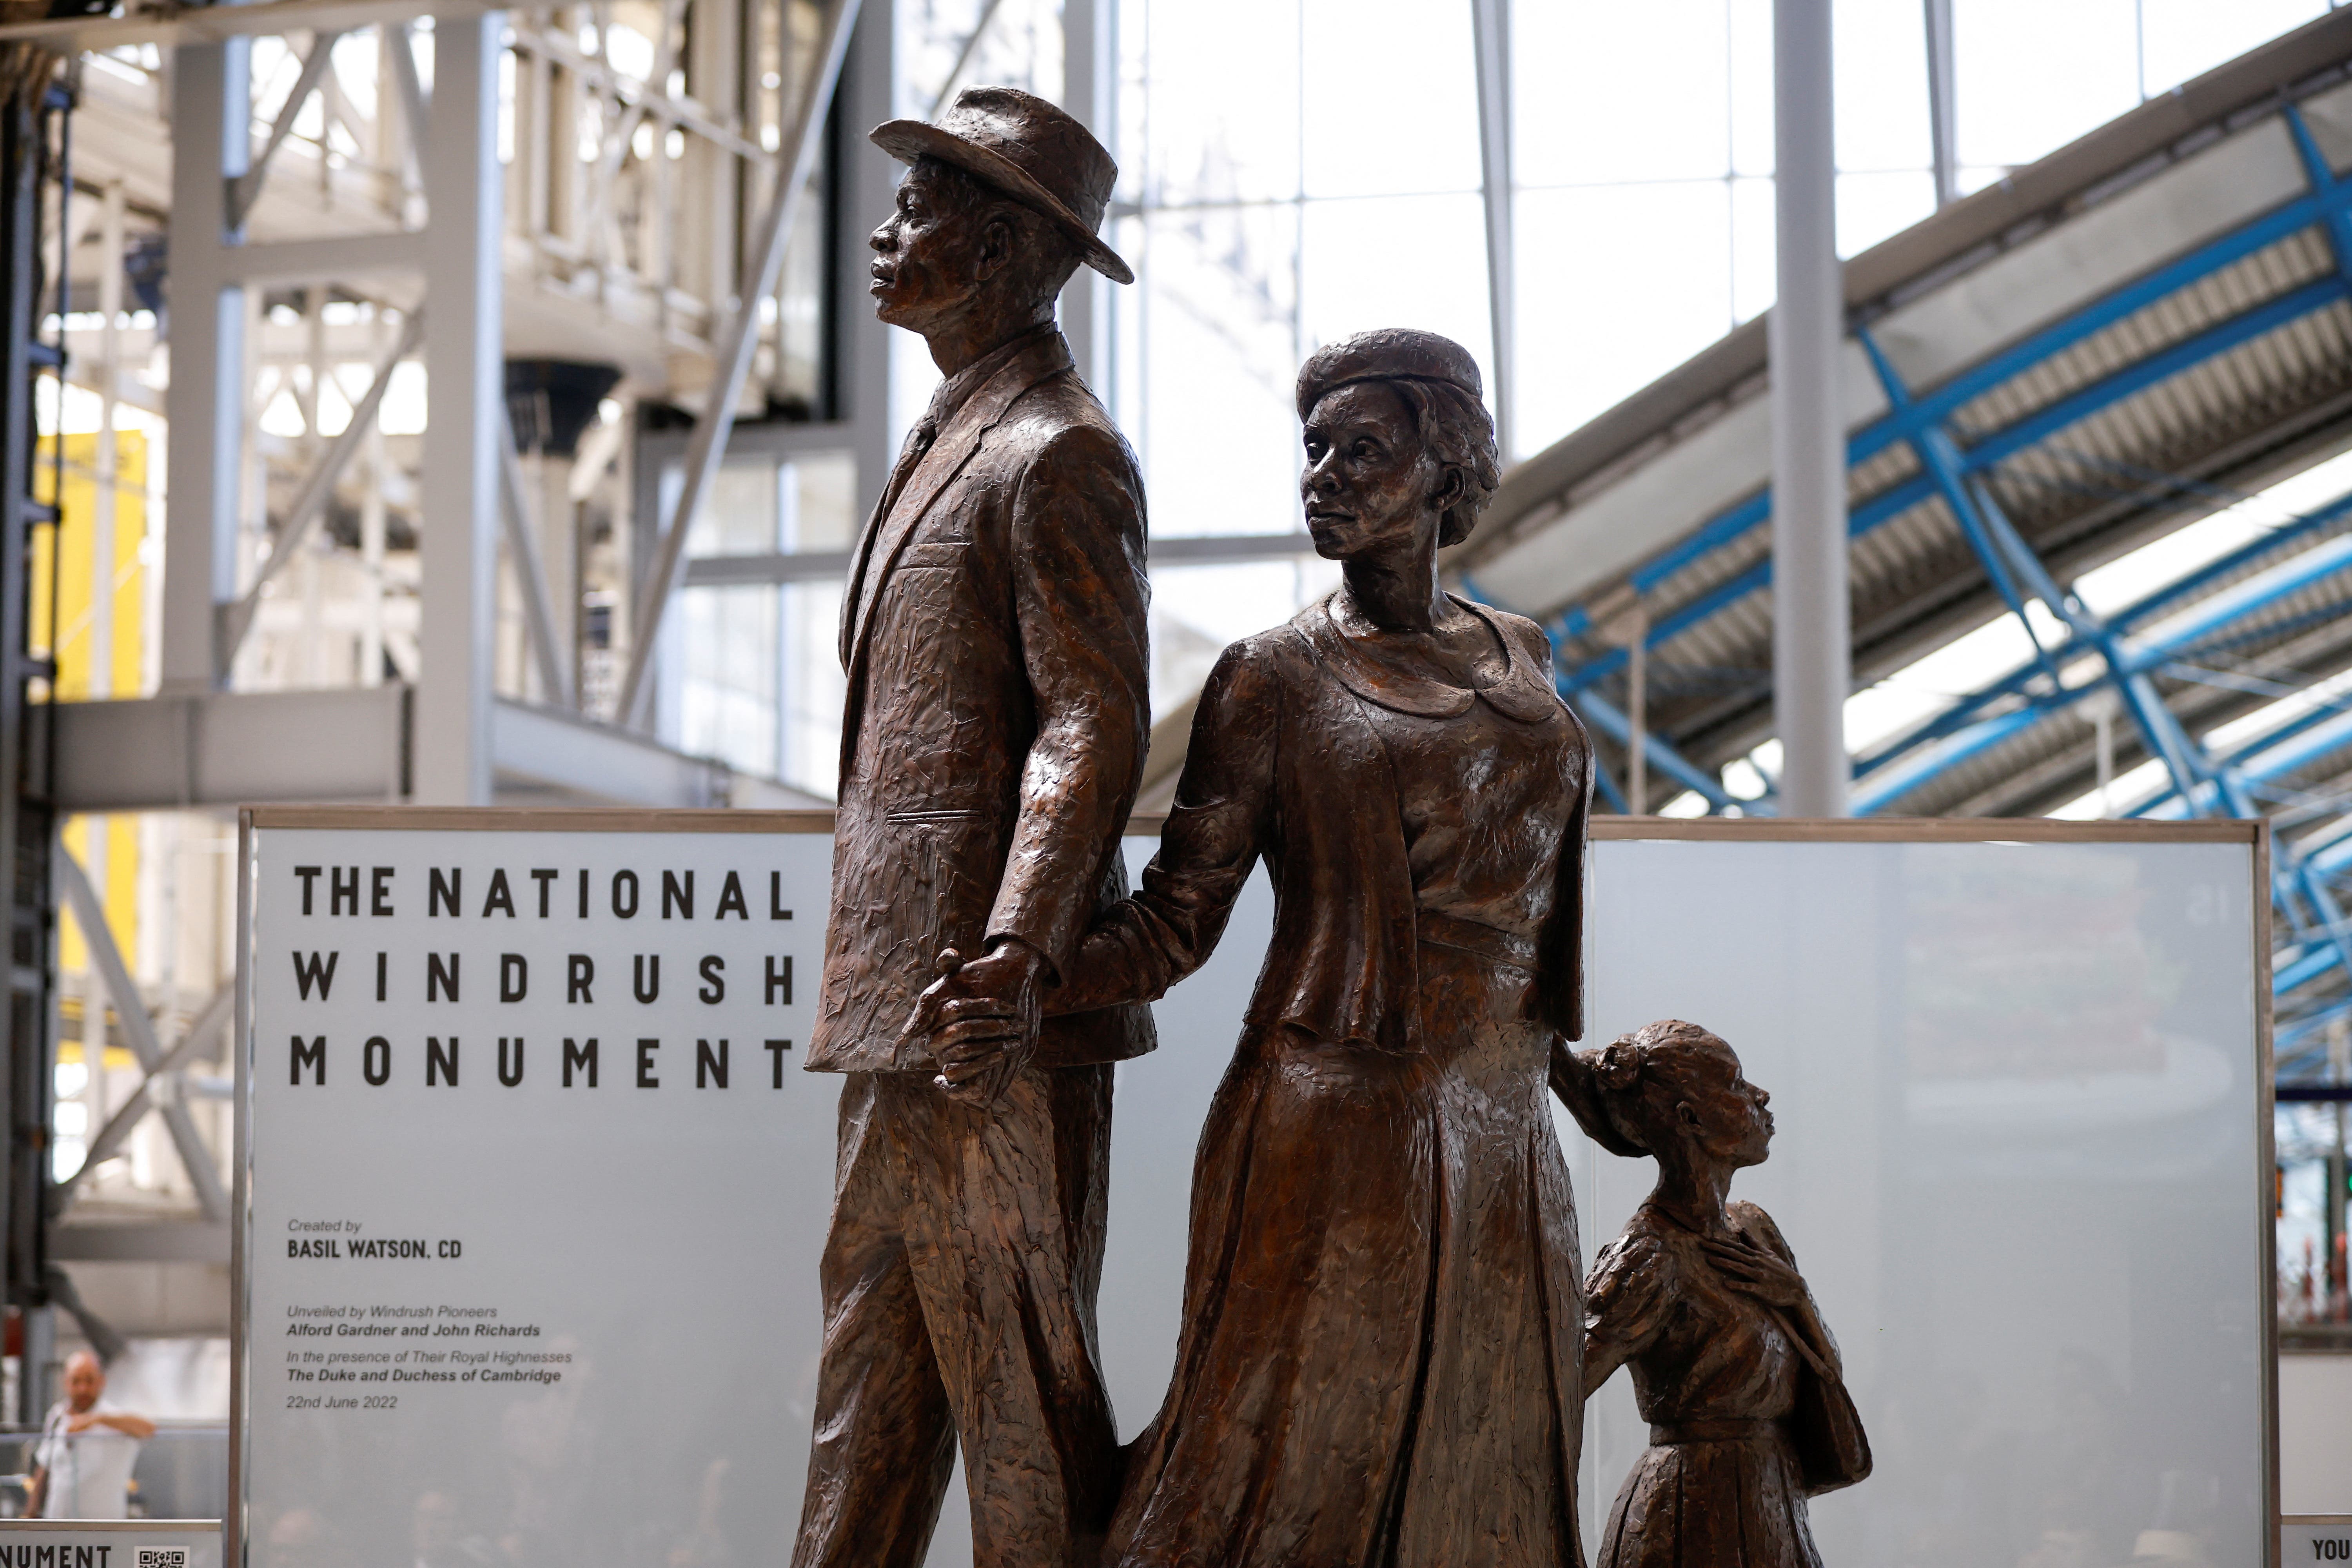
<point x="1524" y="693"/>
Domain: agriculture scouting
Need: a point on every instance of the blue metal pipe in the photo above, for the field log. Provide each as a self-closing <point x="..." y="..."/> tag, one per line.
<point x="1879" y="793"/>
<point x="2226" y="565"/>
<point x="1933" y="407"/>
<point x="1605" y="717"/>
<point x="2303" y="969"/>
<point x="1609" y="789"/>
<point x="2328" y="205"/>
<point x="1964" y="712"/>
<point x="2164" y="641"/>
<point x="2323" y="179"/>
<point x="2006" y="557"/>
<point x="1994" y="448"/>
<point x="2201" y="783"/>
<point x="2187" y="354"/>
<point x="2332" y="856"/>
<point x="1945" y="467"/>
<point x="2284" y="756"/>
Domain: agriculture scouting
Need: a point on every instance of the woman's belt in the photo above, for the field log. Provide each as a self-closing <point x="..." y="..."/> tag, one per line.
<point x="1727" y="1431"/>
<point x="1476" y="937"/>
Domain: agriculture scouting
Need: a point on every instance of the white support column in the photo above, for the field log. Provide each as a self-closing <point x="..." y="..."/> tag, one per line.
<point x="1813" y="655"/>
<point x="559" y="558"/>
<point x="1491" y="39"/>
<point x="211" y="108"/>
<point x="93" y="991"/>
<point x="104" y="496"/>
<point x="372" y="528"/>
<point x="869" y="184"/>
<point x="1637" y="715"/>
<point x="37" y="1379"/>
<point x="1943" y="101"/>
<point x="100" y="632"/>
<point x="1090" y="93"/>
<point x="373" y="521"/>
<point x="464" y="371"/>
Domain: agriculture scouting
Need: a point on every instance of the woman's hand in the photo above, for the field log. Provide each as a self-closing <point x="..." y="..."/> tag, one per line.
<point x="980" y="1020"/>
<point x="1748" y="1267"/>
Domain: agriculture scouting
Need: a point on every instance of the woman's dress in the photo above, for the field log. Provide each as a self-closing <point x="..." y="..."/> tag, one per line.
<point x="1716" y="1374"/>
<point x="1380" y="1362"/>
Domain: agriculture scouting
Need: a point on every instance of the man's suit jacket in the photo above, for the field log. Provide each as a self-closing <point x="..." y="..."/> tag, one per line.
<point x="995" y="639"/>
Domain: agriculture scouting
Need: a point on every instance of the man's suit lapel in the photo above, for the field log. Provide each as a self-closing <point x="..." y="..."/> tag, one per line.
<point x="958" y="441"/>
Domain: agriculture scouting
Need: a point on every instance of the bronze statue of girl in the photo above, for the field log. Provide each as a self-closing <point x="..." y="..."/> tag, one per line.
<point x="1732" y="1365"/>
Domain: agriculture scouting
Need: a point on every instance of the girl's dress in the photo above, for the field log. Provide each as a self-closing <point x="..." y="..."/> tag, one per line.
<point x="1716" y="1374"/>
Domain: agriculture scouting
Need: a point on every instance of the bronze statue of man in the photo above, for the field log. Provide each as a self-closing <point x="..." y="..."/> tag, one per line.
<point x="994" y="636"/>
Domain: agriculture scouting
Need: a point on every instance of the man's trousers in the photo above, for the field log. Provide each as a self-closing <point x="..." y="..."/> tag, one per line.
<point x="959" y="1279"/>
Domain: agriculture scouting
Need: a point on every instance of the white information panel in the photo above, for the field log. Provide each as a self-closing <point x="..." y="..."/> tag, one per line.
<point x="110" y="1544"/>
<point x="2316" y="1538"/>
<point x="536" y="1189"/>
<point x="2019" y="1090"/>
<point x="2021" y="1157"/>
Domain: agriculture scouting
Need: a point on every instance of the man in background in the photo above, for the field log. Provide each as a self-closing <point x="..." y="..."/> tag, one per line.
<point x="82" y="1467"/>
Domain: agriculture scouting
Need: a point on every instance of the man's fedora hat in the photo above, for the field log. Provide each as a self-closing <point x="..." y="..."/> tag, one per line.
<point x="1030" y="150"/>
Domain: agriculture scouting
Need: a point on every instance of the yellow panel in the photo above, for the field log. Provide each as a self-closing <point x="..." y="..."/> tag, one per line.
<point x="42" y="617"/>
<point x="76" y="589"/>
<point x="129" y="570"/>
<point x="75" y="579"/>
<point x="73" y="561"/>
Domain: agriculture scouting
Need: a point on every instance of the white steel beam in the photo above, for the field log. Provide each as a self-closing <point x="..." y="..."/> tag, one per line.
<point x="211" y="102"/>
<point x="465" y="377"/>
<point x="794" y="163"/>
<point x="1090" y="91"/>
<point x="870" y="185"/>
<point x="622" y="128"/>
<point x="400" y="48"/>
<point x="149" y="1241"/>
<point x="221" y="747"/>
<point x="146" y="1097"/>
<point x="346" y="259"/>
<point x="555" y="755"/>
<point x="110" y="390"/>
<point x="1491" y="40"/>
<point x="972" y="40"/>
<point x="246" y="185"/>
<point x="1943" y="100"/>
<point x="318" y="487"/>
<point x="215" y="24"/>
<point x="531" y="571"/>
<point x="349" y="744"/>
<point x="1812" y="654"/>
<point x="138" y="1030"/>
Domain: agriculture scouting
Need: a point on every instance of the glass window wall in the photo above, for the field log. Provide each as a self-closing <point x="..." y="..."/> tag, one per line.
<point x="760" y="685"/>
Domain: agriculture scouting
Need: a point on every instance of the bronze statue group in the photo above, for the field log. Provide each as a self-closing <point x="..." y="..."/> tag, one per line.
<point x="1386" y="1344"/>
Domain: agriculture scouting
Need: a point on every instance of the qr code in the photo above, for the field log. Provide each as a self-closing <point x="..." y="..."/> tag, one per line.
<point x="162" y="1557"/>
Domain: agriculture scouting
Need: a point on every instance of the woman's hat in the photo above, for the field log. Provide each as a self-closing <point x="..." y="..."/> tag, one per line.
<point x="1386" y="354"/>
<point x="1029" y="150"/>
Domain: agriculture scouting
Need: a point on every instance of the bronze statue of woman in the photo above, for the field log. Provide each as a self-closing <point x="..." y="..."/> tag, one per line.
<point x="1732" y="1365"/>
<point x="1379" y="1361"/>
